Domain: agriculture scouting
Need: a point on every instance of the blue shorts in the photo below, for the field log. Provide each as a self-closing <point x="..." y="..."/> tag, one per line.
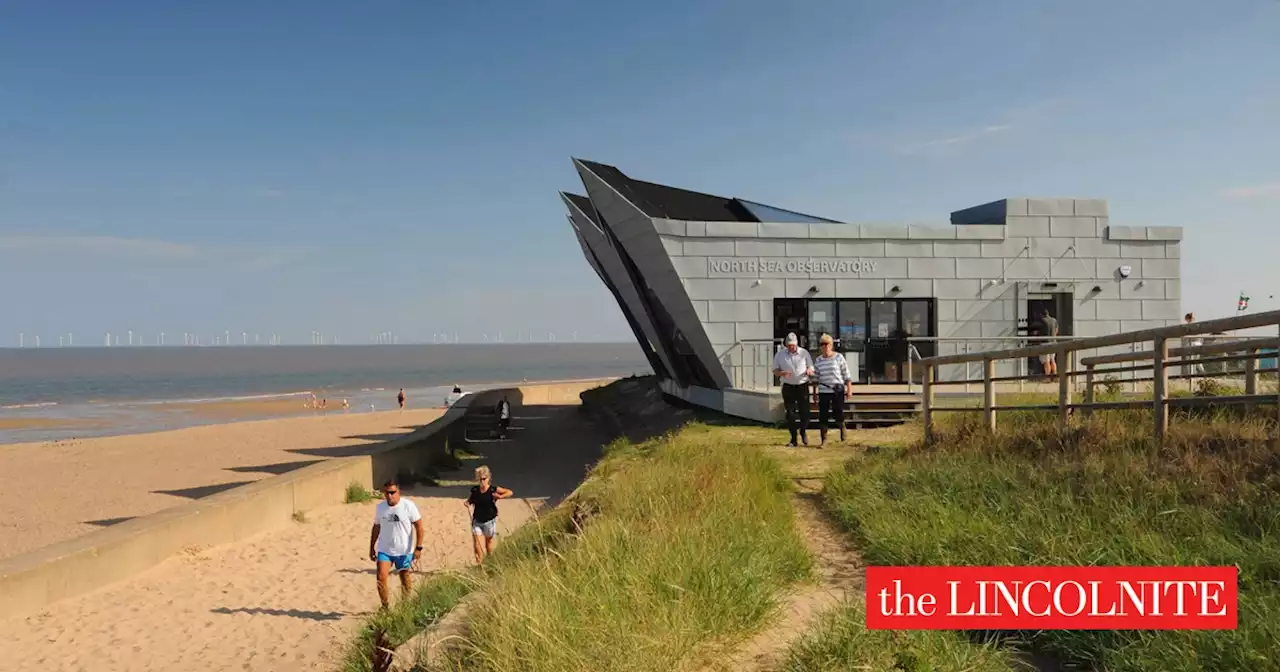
<point x="399" y="563"/>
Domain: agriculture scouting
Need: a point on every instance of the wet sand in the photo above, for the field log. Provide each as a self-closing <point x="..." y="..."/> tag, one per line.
<point x="290" y="598"/>
<point x="56" y="490"/>
<point x="49" y="423"/>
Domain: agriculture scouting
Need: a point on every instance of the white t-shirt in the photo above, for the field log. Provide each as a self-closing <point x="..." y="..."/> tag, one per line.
<point x="395" y="536"/>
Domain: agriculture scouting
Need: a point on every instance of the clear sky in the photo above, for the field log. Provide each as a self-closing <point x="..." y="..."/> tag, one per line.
<point x="356" y="167"/>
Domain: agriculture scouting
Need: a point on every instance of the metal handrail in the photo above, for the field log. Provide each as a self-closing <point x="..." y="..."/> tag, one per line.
<point x="1161" y="356"/>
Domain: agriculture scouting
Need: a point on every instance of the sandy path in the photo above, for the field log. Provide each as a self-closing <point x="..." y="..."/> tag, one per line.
<point x="287" y="599"/>
<point x="56" y="490"/>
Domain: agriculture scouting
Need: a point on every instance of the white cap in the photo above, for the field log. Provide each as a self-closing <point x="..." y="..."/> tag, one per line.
<point x="791" y="339"/>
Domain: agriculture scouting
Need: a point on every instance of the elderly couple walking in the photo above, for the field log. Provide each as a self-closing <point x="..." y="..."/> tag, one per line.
<point x="797" y="368"/>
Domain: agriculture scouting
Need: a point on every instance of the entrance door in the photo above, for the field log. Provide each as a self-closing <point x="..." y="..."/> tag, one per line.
<point x="917" y="322"/>
<point x="790" y="316"/>
<point x="883" y="328"/>
<point x="822" y="320"/>
<point x="853" y="332"/>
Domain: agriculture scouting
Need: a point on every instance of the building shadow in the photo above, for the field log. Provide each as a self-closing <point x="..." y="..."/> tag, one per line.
<point x="273" y="469"/>
<point x="377" y="438"/>
<point x="202" y="491"/>
<point x="291" y="613"/>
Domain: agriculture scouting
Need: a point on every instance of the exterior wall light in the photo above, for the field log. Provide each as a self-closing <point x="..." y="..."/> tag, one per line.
<point x="813" y="289"/>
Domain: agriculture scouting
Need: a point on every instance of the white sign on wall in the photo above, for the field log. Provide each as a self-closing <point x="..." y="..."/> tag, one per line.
<point x="767" y="266"/>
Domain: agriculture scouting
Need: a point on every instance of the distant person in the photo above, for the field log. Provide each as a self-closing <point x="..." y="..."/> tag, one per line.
<point x="835" y="385"/>
<point x="794" y="366"/>
<point x="483" y="503"/>
<point x="453" y="397"/>
<point x="1049" y="327"/>
<point x="1192" y="342"/>
<point x="396" y="524"/>
<point x="504" y="417"/>
<point x="345" y="406"/>
<point x="400" y="398"/>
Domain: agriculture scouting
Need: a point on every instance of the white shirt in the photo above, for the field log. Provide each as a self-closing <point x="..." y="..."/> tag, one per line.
<point x="797" y="364"/>
<point x="395" y="534"/>
<point x="505" y="411"/>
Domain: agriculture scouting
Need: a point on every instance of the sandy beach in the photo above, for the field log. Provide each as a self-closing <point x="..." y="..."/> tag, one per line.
<point x="289" y="598"/>
<point x="56" y="490"/>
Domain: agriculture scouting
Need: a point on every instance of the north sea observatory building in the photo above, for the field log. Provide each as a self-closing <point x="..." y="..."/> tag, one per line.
<point x="710" y="284"/>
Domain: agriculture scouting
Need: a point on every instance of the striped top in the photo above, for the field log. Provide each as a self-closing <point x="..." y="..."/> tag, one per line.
<point x="833" y="372"/>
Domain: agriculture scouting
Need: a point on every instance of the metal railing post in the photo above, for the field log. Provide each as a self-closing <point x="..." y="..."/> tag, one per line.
<point x="989" y="393"/>
<point x="927" y="402"/>
<point x="1159" y="388"/>
<point x="1251" y="372"/>
<point x="1088" y="389"/>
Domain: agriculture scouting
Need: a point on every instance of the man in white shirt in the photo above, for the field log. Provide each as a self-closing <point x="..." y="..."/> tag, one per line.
<point x="396" y="525"/>
<point x="794" y="366"/>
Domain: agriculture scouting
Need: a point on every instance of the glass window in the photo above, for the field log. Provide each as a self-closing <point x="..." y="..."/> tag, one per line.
<point x="884" y="319"/>
<point x="768" y="213"/>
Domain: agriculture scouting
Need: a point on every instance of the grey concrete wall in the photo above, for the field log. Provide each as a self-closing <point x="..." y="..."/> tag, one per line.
<point x="980" y="274"/>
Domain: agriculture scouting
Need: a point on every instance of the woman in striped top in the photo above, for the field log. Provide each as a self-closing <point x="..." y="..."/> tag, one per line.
<point x="834" y="386"/>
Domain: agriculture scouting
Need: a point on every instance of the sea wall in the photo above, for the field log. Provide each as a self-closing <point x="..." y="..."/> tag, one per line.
<point x="30" y="581"/>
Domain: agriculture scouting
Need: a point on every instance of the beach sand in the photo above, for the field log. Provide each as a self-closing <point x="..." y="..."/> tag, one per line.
<point x="289" y="598"/>
<point x="56" y="490"/>
<point x="38" y="422"/>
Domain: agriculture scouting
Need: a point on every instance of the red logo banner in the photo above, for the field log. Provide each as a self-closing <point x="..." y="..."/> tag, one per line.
<point x="1051" y="598"/>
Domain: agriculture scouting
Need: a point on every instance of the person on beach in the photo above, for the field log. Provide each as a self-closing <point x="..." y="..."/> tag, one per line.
<point x="504" y="417"/>
<point x="400" y="398"/>
<point x="397" y="524"/>
<point x="835" y="385"/>
<point x="345" y="406"/>
<point x="794" y="366"/>
<point x="483" y="504"/>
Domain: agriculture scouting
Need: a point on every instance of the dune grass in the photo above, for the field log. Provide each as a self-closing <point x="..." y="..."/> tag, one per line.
<point x="429" y="602"/>
<point x="1098" y="492"/>
<point x="841" y="641"/>
<point x="672" y="550"/>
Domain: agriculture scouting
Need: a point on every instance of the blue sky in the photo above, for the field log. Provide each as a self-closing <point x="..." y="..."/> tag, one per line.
<point x="359" y="167"/>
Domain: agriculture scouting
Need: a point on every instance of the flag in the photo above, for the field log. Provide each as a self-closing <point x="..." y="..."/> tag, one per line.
<point x="1243" y="303"/>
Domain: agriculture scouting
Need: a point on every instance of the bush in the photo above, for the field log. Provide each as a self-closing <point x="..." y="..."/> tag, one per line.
<point x="357" y="494"/>
<point x="1096" y="493"/>
<point x="672" y="546"/>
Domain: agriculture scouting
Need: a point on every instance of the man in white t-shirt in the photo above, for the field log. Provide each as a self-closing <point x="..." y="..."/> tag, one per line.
<point x="396" y="526"/>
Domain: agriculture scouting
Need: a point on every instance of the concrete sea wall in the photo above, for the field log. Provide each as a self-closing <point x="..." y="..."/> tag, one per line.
<point x="30" y="581"/>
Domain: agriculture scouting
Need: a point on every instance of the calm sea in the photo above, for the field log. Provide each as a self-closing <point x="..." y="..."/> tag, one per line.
<point x="122" y="386"/>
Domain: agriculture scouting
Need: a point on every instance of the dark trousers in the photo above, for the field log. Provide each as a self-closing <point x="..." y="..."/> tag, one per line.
<point x="796" y="400"/>
<point x="831" y="406"/>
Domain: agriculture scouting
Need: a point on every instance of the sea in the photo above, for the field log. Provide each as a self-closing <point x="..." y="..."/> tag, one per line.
<point x="124" y="390"/>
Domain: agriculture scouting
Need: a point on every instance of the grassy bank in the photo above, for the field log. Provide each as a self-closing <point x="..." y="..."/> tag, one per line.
<point x="1098" y="493"/>
<point x="673" y="549"/>
<point x="430" y="601"/>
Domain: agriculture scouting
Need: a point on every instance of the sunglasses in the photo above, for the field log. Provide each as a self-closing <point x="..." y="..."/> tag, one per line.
<point x="391" y="492"/>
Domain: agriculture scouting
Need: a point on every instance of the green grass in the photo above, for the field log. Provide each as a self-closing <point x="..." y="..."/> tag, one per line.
<point x="841" y="641"/>
<point x="428" y="603"/>
<point x="357" y="494"/>
<point x="1098" y="492"/>
<point x="673" y="549"/>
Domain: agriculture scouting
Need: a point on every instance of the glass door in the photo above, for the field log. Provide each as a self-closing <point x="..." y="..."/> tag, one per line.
<point x="882" y="325"/>
<point x="822" y="320"/>
<point x="853" y="332"/>
<point x="917" y="321"/>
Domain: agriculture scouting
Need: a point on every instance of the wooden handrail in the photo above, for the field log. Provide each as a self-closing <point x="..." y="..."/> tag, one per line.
<point x="1214" y="349"/>
<point x="1269" y="318"/>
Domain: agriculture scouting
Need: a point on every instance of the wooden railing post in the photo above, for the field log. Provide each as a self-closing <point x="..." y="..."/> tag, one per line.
<point x="989" y="392"/>
<point x="1251" y="372"/>
<point x="927" y="395"/>
<point x="1160" y="388"/>
<point x="1064" y="385"/>
<point x="1088" y="389"/>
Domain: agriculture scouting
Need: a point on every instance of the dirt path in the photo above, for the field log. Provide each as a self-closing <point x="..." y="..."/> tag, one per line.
<point x="840" y="576"/>
<point x="289" y="598"/>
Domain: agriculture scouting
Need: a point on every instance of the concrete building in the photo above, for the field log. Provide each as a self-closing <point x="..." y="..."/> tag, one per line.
<point x="710" y="284"/>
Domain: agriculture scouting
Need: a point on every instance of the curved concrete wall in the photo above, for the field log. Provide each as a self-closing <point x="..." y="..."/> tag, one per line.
<point x="30" y="581"/>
